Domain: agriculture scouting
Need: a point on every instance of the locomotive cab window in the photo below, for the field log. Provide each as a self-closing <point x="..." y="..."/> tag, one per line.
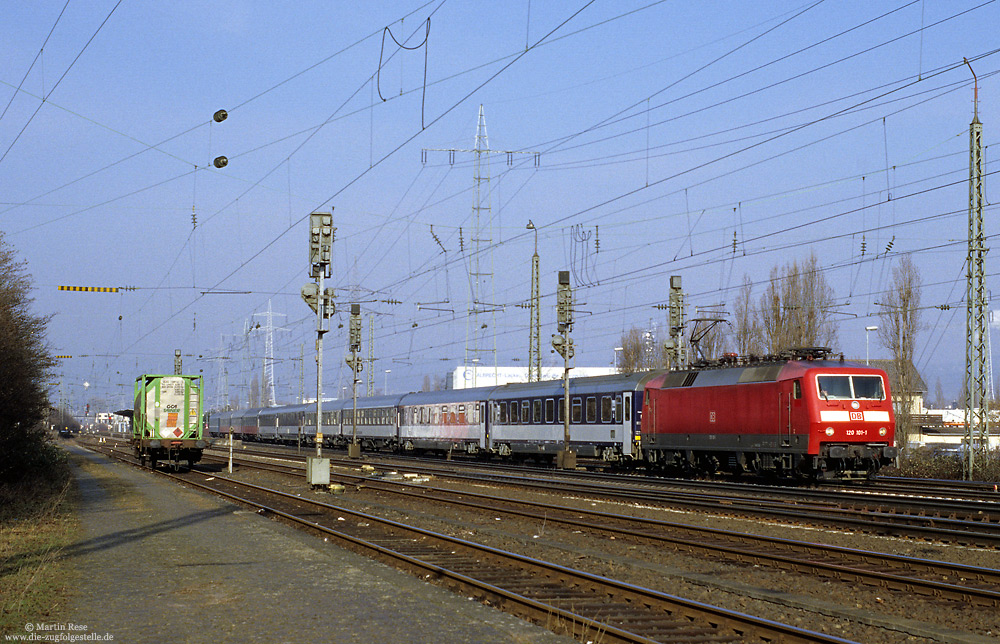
<point x="850" y="387"/>
<point x="834" y="387"/>
<point x="797" y="389"/>
<point x="868" y="387"/>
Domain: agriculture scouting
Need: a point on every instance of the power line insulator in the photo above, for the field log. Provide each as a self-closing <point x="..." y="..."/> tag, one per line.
<point x="220" y="162"/>
<point x="220" y="116"/>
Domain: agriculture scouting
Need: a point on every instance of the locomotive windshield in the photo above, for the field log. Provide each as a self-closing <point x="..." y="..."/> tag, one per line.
<point x="850" y="387"/>
<point x="868" y="387"/>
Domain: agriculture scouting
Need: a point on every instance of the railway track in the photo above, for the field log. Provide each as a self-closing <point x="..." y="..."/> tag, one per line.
<point x="561" y="598"/>
<point x="965" y="585"/>
<point x="938" y="498"/>
<point x="942" y="521"/>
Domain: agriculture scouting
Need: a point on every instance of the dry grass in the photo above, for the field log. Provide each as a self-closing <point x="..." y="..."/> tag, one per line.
<point x="37" y="521"/>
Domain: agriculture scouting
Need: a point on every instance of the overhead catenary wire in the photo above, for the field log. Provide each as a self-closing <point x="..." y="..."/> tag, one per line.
<point x="399" y="213"/>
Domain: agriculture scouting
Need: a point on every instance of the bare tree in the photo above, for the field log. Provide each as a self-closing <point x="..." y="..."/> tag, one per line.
<point x="255" y="400"/>
<point x="939" y="401"/>
<point x="639" y="351"/>
<point x="796" y="308"/>
<point x="25" y="365"/>
<point x="746" y="331"/>
<point x="643" y="350"/>
<point x="899" y="316"/>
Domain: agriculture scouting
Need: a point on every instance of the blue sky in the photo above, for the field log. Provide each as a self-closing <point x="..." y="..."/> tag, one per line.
<point x="662" y="130"/>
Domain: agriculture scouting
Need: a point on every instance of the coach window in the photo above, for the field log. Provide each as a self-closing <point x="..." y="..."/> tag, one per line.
<point x="561" y="409"/>
<point x="605" y="409"/>
<point x="550" y="408"/>
<point x="576" y="414"/>
<point x="628" y="409"/>
<point x="536" y="411"/>
<point x="502" y="413"/>
<point x="618" y="408"/>
<point x="525" y="412"/>
<point x="591" y="409"/>
<point x="461" y="414"/>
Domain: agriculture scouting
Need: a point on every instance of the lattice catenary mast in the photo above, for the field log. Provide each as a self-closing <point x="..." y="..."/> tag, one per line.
<point x="976" y="401"/>
<point x="481" y="284"/>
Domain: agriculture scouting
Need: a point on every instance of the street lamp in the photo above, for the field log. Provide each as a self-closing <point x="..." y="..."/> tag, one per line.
<point x="867" y="329"/>
<point x="617" y="363"/>
<point x="385" y="383"/>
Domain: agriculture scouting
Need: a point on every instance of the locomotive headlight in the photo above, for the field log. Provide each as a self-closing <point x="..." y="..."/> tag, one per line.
<point x="882" y="431"/>
<point x="829" y="431"/>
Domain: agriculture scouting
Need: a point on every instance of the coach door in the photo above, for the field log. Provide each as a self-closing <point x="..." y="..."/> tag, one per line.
<point x="484" y="423"/>
<point x="625" y="418"/>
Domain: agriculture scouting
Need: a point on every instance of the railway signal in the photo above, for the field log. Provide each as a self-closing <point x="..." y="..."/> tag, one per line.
<point x="319" y="299"/>
<point x="565" y="458"/>
<point x="356" y="364"/>
<point x="675" y="345"/>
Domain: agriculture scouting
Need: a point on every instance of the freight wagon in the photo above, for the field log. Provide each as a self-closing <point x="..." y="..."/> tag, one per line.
<point x="167" y="420"/>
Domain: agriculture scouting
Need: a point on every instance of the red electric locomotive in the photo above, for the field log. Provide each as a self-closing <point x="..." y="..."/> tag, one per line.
<point x="800" y="414"/>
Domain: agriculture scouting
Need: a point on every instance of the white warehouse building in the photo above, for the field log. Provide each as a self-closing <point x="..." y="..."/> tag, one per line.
<point x="479" y="376"/>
